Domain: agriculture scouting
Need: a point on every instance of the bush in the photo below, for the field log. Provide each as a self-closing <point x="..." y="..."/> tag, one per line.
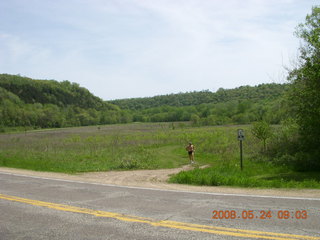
<point x="262" y="130"/>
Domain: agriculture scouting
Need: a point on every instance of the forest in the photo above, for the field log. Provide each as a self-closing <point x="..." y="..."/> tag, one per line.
<point x="35" y="104"/>
<point x="226" y="106"/>
<point x="51" y="104"/>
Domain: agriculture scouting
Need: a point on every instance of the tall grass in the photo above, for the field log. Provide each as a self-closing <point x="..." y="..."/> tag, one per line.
<point x="261" y="175"/>
<point x="130" y="146"/>
<point x="87" y="149"/>
<point x="149" y="146"/>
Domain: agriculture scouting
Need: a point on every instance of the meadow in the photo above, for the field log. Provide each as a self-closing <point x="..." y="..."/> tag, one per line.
<point x="151" y="146"/>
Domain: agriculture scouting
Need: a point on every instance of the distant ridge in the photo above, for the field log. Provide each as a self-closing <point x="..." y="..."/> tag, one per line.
<point x="30" y="103"/>
<point x="260" y="92"/>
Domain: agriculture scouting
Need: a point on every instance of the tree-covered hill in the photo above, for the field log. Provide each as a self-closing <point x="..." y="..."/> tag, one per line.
<point x="226" y="106"/>
<point x="61" y="94"/>
<point x="48" y="103"/>
<point x="257" y="93"/>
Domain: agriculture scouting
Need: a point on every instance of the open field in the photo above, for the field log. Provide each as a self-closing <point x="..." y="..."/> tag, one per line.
<point x="150" y="146"/>
<point x="111" y="147"/>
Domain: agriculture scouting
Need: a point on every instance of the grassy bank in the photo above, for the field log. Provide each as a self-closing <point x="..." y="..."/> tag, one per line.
<point x="149" y="146"/>
<point x="261" y="175"/>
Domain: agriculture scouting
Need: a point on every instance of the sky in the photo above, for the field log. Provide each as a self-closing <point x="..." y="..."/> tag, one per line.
<point x="142" y="48"/>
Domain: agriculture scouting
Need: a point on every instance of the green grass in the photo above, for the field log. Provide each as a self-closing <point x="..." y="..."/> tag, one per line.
<point x="150" y="146"/>
<point x="259" y="175"/>
<point x="113" y="147"/>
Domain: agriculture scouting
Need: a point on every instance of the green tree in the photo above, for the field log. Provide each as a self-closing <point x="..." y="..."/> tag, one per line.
<point x="195" y="120"/>
<point x="305" y="79"/>
<point x="262" y="130"/>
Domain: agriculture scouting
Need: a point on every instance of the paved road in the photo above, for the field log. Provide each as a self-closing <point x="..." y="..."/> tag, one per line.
<point x="38" y="208"/>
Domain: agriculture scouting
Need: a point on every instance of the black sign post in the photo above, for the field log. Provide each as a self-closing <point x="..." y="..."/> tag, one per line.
<point x="241" y="138"/>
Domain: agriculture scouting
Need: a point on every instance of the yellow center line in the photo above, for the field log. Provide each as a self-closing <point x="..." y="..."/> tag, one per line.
<point x="169" y="224"/>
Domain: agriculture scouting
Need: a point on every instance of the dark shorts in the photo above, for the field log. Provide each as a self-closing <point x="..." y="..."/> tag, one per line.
<point x="190" y="152"/>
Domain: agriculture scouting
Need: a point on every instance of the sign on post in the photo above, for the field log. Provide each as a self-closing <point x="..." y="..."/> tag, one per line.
<point x="241" y="138"/>
<point x="240" y="134"/>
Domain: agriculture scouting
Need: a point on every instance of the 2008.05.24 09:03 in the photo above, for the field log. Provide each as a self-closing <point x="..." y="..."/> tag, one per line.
<point x="259" y="214"/>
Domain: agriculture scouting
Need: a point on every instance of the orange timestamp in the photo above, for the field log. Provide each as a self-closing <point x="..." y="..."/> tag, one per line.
<point x="259" y="214"/>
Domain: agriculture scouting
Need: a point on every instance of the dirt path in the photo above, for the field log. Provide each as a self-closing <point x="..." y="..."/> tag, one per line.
<point x="157" y="179"/>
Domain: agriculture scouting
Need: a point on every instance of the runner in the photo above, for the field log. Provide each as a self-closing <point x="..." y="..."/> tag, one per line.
<point x="191" y="149"/>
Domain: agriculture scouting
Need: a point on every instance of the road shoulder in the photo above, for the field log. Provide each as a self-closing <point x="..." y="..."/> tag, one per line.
<point x="157" y="179"/>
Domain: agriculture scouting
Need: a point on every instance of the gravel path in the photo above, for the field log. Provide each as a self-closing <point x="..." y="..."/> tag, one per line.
<point x="158" y="179"/>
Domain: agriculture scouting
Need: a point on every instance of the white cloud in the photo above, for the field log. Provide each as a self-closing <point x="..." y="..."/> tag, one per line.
<point x="134" y="48"/>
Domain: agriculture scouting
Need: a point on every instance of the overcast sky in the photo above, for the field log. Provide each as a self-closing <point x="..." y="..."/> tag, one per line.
<point x="137" y="48"/>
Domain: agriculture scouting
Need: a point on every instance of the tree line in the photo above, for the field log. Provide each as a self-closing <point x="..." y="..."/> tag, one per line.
<point x="299" y="145"/>
<point x="257" y="93"/>
<point x="48" y="103"/>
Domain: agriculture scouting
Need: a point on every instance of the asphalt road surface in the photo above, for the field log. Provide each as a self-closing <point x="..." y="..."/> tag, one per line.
<point x="40" y="208"/>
